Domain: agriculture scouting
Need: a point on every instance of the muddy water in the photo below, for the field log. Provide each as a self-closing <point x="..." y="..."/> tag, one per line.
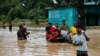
<point x="36" y="45"/>
<point x="94" y="43"/>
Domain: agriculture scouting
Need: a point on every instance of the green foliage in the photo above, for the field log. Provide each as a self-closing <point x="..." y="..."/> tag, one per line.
<point x="36" y="21"/>
<point x="15" y="13"/>
<point x="31" y="9"/>
<point x="19" y="20"/>
<point x="3" y="18"/>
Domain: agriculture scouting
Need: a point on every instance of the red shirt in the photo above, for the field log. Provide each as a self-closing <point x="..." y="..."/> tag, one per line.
<point x="52" y="29"/>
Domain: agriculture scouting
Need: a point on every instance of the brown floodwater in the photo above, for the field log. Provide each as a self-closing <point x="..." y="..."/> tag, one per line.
<point x="36" y="45"/>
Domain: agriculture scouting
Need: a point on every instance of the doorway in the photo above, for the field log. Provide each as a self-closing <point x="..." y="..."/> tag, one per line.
<point x="92" y="19"/>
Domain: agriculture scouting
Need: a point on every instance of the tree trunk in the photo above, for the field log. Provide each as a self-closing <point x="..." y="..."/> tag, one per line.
<point x="81" y="12"/>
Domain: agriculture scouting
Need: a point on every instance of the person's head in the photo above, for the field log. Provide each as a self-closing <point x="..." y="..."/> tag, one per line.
<point x="56" y="24"/>
<point x="49" y="24"/>
<point x="20" y="27"/>
<point x="79" y="30"/>
<point x="63" y="21"/>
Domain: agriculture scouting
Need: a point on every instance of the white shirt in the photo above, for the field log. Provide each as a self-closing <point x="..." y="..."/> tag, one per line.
<point x="77" y="39"/>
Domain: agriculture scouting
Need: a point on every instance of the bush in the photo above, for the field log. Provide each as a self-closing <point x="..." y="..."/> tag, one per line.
<point x="3" y="18"/>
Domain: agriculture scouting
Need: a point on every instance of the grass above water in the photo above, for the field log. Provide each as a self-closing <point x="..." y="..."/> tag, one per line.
<point x="29" y="24"/>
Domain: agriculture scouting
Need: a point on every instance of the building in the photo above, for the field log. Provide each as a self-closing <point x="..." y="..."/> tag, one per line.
<point x="92" y="8"/>
<point x="69" y="14"/>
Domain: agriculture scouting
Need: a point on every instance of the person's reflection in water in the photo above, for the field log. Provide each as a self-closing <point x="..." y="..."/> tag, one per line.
<point x="53" y="49"/>
<point x="21" y="46"/>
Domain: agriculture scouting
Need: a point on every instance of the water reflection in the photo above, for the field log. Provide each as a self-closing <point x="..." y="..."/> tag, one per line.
<point x="36" y="45"/>
<point x="21" y="46"/>
<point x="53" y="49"/>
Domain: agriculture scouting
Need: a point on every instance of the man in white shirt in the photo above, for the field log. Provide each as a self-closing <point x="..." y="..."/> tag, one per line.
<point x="80" y="41"/>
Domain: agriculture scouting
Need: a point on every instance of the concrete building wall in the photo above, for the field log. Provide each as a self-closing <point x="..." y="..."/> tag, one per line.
<point x="56" y="15"/>
<point x="93" y="15"/>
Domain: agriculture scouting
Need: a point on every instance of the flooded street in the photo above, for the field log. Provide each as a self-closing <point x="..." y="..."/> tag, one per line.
<point x="36" y="45"/>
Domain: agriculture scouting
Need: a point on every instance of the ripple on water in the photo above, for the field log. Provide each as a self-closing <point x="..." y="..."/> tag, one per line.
<point x="36" y="45"/>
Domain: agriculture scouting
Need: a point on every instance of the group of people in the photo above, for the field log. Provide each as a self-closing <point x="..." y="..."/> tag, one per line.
<point x="54" y="33"/>
<point x="22" y="33"/>
<point x="75" y="35"/>
<point x="10" y="26"/>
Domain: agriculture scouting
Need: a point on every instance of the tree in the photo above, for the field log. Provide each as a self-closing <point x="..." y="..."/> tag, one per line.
<point x="34" y="9"/>
<point x="81" y="13"/>
<point x="15" y="13"/>
<point x="3" y="18"/>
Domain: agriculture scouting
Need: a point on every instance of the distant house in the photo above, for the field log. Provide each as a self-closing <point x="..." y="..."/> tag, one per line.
<point x="56" y="15"/>
<point x="92" y="8"/>
<point x="70" y="14"/>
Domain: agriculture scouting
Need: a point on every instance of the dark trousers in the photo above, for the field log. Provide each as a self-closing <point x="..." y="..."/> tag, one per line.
<point x="10" y="29"/>
<point x="82" y="53"/>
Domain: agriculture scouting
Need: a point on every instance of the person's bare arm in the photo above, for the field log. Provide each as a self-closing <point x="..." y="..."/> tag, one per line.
<point x="87" y="38"/>
<point x="80" y="43"/>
